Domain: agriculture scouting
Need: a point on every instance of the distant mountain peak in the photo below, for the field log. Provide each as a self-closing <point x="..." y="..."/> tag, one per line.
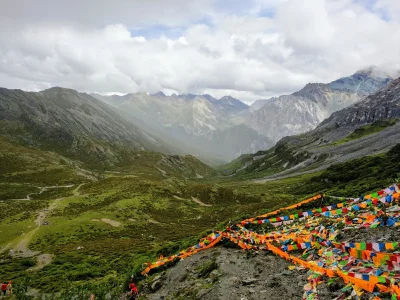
<point x="305" y="109"/>
<point x="59" y="89"/>
<point x="382" y="105"/>
<point x="209" y="97"/>
<point x="364" y="82"/>
<point x="233" y="101"/>
<point x="374" y="72"/>
<point x="188" y="96"/>
<point x="159" y="94"/>
<point x="227" y="97"/>
<point x="310" y="89"/>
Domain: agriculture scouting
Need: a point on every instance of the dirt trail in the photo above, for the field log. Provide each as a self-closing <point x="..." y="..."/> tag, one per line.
<point x="21" y="249"/>
<point x="76" y="191"/>
<point x="42" y="261"/>
<point x="45" y="188"/>
<point x="198" y="201"/>
<point x="111" y="222"/>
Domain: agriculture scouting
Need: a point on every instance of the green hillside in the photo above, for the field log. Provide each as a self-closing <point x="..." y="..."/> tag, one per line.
<point x="24" y="170"/>
<point x="366" y="130"/>
<point x="358" y="175"/>
<point x="99" y="232"/>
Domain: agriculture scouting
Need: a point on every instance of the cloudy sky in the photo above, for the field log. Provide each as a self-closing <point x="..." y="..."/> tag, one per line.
<point x="248" y="49"/>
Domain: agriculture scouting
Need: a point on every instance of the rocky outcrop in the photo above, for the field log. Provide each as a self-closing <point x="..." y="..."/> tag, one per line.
<point x="383" y="105"/>
<point x="239" y="275"/>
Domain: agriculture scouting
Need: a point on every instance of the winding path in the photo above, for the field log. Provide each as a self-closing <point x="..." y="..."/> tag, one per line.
<point x="45" y="188"/>
<point x="21" y="249"/>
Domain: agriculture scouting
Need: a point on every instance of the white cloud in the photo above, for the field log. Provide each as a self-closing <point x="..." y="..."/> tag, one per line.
<point x="246" y="56"/>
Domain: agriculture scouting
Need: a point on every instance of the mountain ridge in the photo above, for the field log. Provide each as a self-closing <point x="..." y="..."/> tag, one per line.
<point x="368" y="127"/>
<point x="197" y="120"/>
<point x="73" y="124"/>
<point x="192" y="119"/>
<point x="307" y="108"/>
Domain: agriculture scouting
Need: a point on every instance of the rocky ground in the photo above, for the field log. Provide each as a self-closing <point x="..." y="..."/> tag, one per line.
<point x="227" y="273"/>
<point x="370" y="235"/>
<point x="368" y="145"/>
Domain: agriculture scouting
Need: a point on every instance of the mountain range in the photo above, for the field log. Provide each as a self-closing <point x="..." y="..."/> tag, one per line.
<point x="304" y="110"/>
<point x="104" y="131"/>
<point x="223" y="129"/>
<point x="73" y="124"/>
<point x="211" y="128"/>
<point x="369" y="126"/>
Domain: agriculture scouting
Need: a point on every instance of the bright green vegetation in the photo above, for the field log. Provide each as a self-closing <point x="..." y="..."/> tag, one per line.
<point x="205" y="269"/>
<point x="367" y="130"/>
<point x="358" y="176"/>
<point x="151" y="217"/>
<point x="24" y="170"/>
<point x="101" y="231"/>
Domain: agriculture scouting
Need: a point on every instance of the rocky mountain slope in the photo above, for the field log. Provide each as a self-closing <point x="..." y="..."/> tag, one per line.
<point x="74" y="125"/>
<point x="201" y="124"/>
<point x="385" y="104"/>
<point x="368" y="127"/>
<point x="304" y="110"/>
<point x="204" y="125"/>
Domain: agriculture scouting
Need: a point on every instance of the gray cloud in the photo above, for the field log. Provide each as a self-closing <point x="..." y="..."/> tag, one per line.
<point x="103" y="12"/>
<point x="247" y="56"/>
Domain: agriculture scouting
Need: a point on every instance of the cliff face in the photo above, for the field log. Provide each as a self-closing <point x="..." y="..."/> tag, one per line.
<point x="385" y="104"/>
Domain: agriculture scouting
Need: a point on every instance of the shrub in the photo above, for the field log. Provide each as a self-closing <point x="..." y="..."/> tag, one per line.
<point x="205" y="269"/>
<point x="27" y="262"/>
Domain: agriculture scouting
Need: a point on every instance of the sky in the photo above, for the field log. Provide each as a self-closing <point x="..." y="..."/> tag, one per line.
<point x="252" y="49"/>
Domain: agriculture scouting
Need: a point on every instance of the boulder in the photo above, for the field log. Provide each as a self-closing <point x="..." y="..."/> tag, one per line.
<point x="248" y="281"/>
<point x="155" y="285"/>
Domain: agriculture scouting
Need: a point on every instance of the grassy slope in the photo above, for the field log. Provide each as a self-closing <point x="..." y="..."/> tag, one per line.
<point x="157" y="215"/>
<point x="290" y="152"/>
<point x="265" y="163"/>
<point x="359" y="175"/>
<point x="157" y="166"/>
<point x="366" y="130"/>
<point x="139" y="195"/>
<point x="23" y="170"/>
